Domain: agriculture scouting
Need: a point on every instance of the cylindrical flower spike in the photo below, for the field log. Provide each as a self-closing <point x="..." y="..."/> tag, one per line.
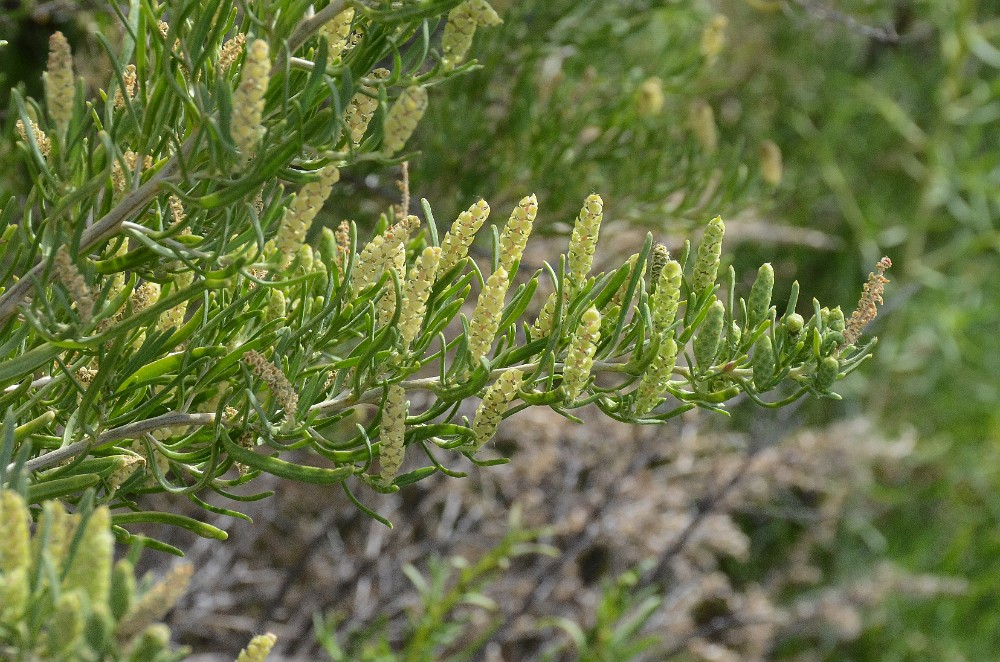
<point x="41" y="140"/>
<point x="337" y="31"/>
<point x="362" y="107"/>
<point x="374" y="257"/>
<point x="486" y="318"/>
<point x="393" y="433"/>
<point x="298" y="218"/>
<point x="713" y="38"/>
<point x="649" y="98"/>
<point x="456" y="243"/>
<point x="129" y="78"/>
<point x="514" y="237"/>
<point x="770" y="163"/>
<point x="762" y="363"/>
<point x="156" y="602"/>
<point x="231" y="50"/>
<point x="387" y="304"/>
<point x="655" y="378"/>
<point x="248" y="99"/>
<point x="14" y="527"/>
<point x="277" y="382"/>
<point x="59" y="83"/>
<point x="759" y="301"/>
<point x="275" y="305"/>
<point x="583" y="241"/>
<point x="546" y="317"/>
<point x="417" y="290"/>
<point x="706" y="266"/>
<point x="461" y="28"/>
<point x="403" y="118"/>
<point x="67" y="625"/>
<point x="666" y="297"/>
<point x="495" y="402"/>
<point x="90" y="567"/>
<point x="657" y="259"/>
<point x="868" y="304"/>
<point x="258" y="649"/>
<point x="706" y="343"/>
<point x="580" y="357"/>
<point x="701" y="120"/>
<point x="70" y="275"/>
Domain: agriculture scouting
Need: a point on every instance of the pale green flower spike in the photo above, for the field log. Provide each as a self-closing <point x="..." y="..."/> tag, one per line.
<point x="759" y="301"/>
<point x="455" y="245"/>
<point x="387" y="304"/>
<point x="298" y="217"/>
<point x="393" y="433"/>
<point x="706" y="266"/>
<point x="276" y="305"/>
<point x="657" y="259"/>
<point x="666" y="297"/>
<point x="583" y="241"/>
<point x="59" y="83"/>
<point x="156" y="602"/>
<point x="376" y="255"/>
<point x="15" y="557"/>
<point x="175" y="316"/>
<point x="762" y="362"/>
<point x="150" y="643"/>
<point x="361" y="108"/>
<point x="514" y="237"/>
<point x="66" y="624"/>
<point x="656" y="377"/>
<point x="248" y="99"/>
<point x="495" y="402"/>
<point x="461" y="28"/>
<point x="66" y="271"/>
<point x="337" y="31"/>
<point x="90" y="567"/>
<point x="258" y="649"/>
<point x="403" y="118"/>
<point x="706" y="343"/>
<point x="417" y="290"/>
<point x="546" y="317"/>
<point x="486" y="318"/>
<point x="701" y="120"/>
<point x="580" y="357"/>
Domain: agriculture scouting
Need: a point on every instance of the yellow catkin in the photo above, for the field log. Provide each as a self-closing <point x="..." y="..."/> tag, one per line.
<point x="656" y="377"/>
<point x="277" y="382"/>
<point x="665" y="299"/>
<point x="701" y="120"/>
<point x="337" y="31"/>
<point x="129" y="77"/>
<point x="713" y="38"/>
<point x="156" y="602"/>
<point x="231" y="51"/>
<point x="514" y="237"/>
<point x="258" y="649"/>
<point x="649" y="98"/>
<point x="461" y="28"/>
<point x="403" y="117"/>
<point x="486" y="318"/>
<point x="580" y="356"/>
<point x="456" y="243"/>
<point x="546" y="317"/>
<point x="583" y="241"/>
<point x="68" y="273"/>
<point x="393" y="433"/>
<point x="706" y="265"/>
<point x="298" y="217"/>
<point x="41" y="140"/>
<point x="248" y="99"/>
<point x="495" y="402"/>
<point x="361" y="108"/>
<point x="387" y="304"/>
<point x="90" y="568"/>
<point x="373" y="259"/>
<point x="59" y="82"/>
<point x="770" y="163"/>
<point x="416" y="291"/>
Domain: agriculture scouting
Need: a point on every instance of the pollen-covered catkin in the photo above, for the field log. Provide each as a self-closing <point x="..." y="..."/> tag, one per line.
<point x="248" y="99"/>
<point x="231" y="50"/>
<point x="73" y="280"/>
<point x="666" y="297"/>
<point x="258" y="649"/>
<point x="868" y="304"/>
<point x="403" y="118"/>
<point x="514" y="237"/>
<point x="580" y="356"/>
<point x="706" y="343"/>
<point x="129" y="78"/>
<point x="655" y="378"/>
<point x="337" y="30"/>
<point x="759" y="301"/>
<point x="495" y="402"/>
<point x="276" y="381"/>
<point x="456" y="243"/>
<point x="416" y="291"/>
<point x="41" y="140"/>
<point x="706" y="265"/>
<point x="393" y="433"/>
<point x="486" y="318"/>
<point x="387" y="304"/>
<point x="461" y="28"/>
<point x="362" y="107"/>
<point x="583" y="241"/>
<point x="59" y="83"/>
<point x="298" y="217"/>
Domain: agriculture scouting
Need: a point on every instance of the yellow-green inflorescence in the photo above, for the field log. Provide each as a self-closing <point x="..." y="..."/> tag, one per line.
<point x="706" y="265"/>
<point x="361" y="108"/>
<point x="456" y="243"/>
<point x="258" y="649"/>
<point x="403" y="117"/>
<point x="416" y="291"/>
<point x="665" y="299"/>
<point x="486" y="318"/>
<point x="248" y="99"/>
<point x="59" y="83"/>
<point x="495" y="402"/>
<point x="514" y="237"/>
<point x="706" y="343"/>
<point x="583" y="241"/>
<point x="393" y="433"/>
<point x="656" y="377"/>
<point x="759" y="301"/>
<point x="298" y="217"/>
<point x="580" y="356"/>
<point x="377" y="254"/>
<point x="387" y="304"/>
<point x="461" y="28"/>
<point x="337" y="31"/>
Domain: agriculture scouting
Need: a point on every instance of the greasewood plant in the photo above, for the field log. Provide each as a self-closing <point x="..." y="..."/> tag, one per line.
<point x="165" y="326"/>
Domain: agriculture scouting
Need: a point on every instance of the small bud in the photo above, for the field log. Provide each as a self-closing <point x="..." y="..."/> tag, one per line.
<point x="713" y="38"/>
<point x="762" y="363"/>
<point x="393" y="433"/>
<point x="514" y="237"/>
<point x="665" y="298"/>
<point x="656" y="377"/>
<point x="417" y="290"/>
<point x="403" y="117"/>
<point x="583" y="241"/>
<point x="580" y="356"/>
<point x="337" y="31"/>
<point x="701" y="120"/>
<point x="759" y="301"/>
<point x="456" y="243"/>
<point x="248" y="99"/>
<point x="461" y="28"/>
<point x="794" y="323"/>
<point x="258" y="649"/>
<point x="770" y="162"/>
<point x="59" y="84"/>
<point x="362" y="107"/>
<point x="836" y="321"/>
<point x="706" y="343"/>
<point x="706" y="266"/>
<point x="486" y="318"/>
<point x="649" y="98"/>
<point x="298" y="217"/>
<point x="826" y="373"/>
<point x="495" y="402"/>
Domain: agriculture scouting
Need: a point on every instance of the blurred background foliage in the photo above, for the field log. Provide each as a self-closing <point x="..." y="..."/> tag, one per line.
<point x="886" y="115"/>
